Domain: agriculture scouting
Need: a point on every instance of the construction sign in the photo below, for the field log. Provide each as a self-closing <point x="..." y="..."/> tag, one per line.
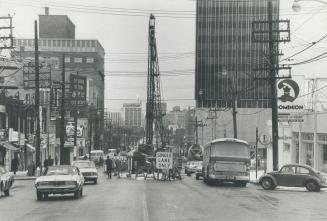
<point x="164" y="160"/>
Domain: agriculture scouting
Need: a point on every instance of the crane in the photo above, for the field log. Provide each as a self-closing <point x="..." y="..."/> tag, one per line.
<point x="154" y="114"/>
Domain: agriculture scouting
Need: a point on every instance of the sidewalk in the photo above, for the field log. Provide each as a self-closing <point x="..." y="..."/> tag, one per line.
<point x="22" y="175"/>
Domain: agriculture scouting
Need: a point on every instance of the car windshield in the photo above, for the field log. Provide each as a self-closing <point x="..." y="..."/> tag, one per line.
<point x="85" y="164"/>
<point x="60" y="171"/>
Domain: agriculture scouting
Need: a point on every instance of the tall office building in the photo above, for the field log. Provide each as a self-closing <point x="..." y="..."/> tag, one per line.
<point x="226" y="56"/>
<point x="132" y="113"/>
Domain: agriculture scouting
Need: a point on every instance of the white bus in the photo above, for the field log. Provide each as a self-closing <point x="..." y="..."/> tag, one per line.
<point x="226" y="160"/>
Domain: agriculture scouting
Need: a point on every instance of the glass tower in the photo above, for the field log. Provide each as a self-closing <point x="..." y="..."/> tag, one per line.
<point x="226" y="57"/>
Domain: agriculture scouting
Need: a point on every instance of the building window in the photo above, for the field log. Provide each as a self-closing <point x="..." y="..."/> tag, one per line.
<point x="322" y="137"/>
<point x="87" y="43"/>
<point x="68" y="43"/>
<point x="78" y="60"/>
<point x="67" y="59"/>
<point x="49" y="43"/>
<point x="78" y="43"/>
<point x="54" y="43"/>
<point x="83" y="43"/>
<point x="324" y="149"/>
<point x="89" y="60"/>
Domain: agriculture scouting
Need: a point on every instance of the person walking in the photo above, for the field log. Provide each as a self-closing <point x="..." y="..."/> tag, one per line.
<point x="14" y="164"/>
<point x="109" y="166"/>
<point x="118" y="167"/>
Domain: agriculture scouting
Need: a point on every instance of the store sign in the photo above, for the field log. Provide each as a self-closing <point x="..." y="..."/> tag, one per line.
<point x="290" y="118"/>
<point x="290" y="97"/>
<point x="77" y="90"/>
<point x="70" y="129"/>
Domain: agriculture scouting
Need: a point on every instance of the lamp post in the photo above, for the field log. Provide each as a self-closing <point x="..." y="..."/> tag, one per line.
<point x="297" y="6"/>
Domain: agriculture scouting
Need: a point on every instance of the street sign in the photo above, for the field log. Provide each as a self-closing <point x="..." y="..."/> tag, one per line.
<point x="265" y="139"/>
<point x="164" y="160"/>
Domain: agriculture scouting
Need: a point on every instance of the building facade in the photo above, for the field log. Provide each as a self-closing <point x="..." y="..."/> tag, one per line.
<point x="226" y="56"/>
<point x="132" y="113"/>
<point x="83" y="62"/>
<point x="115" y="118"/>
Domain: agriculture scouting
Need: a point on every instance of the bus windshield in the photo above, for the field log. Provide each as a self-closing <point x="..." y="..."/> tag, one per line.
<point x="230" y="150"/>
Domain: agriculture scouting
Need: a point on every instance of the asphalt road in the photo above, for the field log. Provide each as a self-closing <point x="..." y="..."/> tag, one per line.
<point x="188" y="199"/>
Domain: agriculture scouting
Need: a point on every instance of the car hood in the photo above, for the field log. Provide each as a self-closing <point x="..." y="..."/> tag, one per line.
<point x="88" y="169"/>
<point x="57" y="178"/>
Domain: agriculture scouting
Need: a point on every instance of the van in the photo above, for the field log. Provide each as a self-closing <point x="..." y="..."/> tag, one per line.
<point x="95" y="156"/>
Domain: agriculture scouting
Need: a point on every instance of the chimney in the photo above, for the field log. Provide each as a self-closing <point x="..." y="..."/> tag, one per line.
<point x="46" y="10"/>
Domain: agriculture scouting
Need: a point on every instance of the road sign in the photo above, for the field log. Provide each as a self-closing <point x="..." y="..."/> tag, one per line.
<point x="164" y="160"/>
<point x="265" y="139"/>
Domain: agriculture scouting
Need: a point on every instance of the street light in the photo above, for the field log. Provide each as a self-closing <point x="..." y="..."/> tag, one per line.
<point x="297" y="6"/>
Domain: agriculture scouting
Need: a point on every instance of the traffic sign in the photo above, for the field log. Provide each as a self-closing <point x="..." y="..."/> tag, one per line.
<point x="265" y="139"/>
<point x="164" y="160"/>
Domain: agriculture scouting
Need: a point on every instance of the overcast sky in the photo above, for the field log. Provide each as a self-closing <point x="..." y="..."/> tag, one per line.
<point x="121" y="26"/>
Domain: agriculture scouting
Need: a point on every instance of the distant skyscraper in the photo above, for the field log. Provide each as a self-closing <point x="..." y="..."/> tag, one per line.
<point x="226" y="56"/>
<point x="132" y="113"/>
<point x="115" y="118"/>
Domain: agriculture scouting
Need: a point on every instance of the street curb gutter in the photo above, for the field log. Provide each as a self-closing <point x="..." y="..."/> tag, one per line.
<point x="25" y="178"/>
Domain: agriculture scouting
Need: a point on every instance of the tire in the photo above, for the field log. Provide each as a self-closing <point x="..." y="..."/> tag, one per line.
<point x="197" y="176"/>
<point x="312" y="186"/>
<point x="38" y="196"/>
<point x="95" y="181"/>
<point x="45" y="196"/>
<point x="6" y="192"/>
<point x="77" y="194"/>
<point x="267" y="183"/>
<point x="186" y="172"/>
<point x="243" y="184"/>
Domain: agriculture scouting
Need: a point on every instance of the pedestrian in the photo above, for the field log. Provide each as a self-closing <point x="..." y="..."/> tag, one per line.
<point x="118" y="166"/>
<point x="50" y="161"/>
<point x="14" y="164"/>
<point x="101" y="161"/>
<point x="45" y="163"/>
<point x="109" y="166"/>
<point x="56" y="159"/>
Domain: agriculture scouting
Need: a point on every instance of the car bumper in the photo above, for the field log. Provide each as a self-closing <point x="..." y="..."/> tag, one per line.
<point x="58" y="190"/>
<point x="229" y="178"/>
<point x="87" y="178"/>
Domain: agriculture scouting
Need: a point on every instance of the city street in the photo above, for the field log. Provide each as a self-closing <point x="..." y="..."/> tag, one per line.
<point x="188" y="199"/>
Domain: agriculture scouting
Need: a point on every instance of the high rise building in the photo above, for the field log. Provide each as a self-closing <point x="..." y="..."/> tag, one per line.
<point x="226" y="56"/>
<point x="132" y="113"/>
<point x="115" y="118"/>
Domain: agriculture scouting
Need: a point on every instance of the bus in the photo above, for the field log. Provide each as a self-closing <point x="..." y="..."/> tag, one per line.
<point x="226" y="160"/>
<point x="95" y="156"/>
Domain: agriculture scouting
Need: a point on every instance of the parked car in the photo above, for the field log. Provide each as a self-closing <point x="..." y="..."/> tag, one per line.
<point x="192" y="167"/>
<point x="199" y="171"/>
<point x="6" y="181"/>
<point x="294" y="175"/>
<point x="59" y="180"/>
<point x="88" y="170"/>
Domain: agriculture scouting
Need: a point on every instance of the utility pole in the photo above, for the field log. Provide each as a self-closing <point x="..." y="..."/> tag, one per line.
<point x="256" y="152"/>
<point x="198" y="123"/>
<point x="215" y="110"/>
<point x="5" y="37"/>
<point x="272" y="37"/>
<point x="37" y="97"/>
<point x="75" y="132"/>
<point x="62" y="113"/>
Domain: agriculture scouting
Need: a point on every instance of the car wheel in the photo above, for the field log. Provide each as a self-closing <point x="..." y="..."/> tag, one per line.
<point x="186" y="172"/>
<point x="243" y="184"/>
<point x="197" y="176"/>
<point x="6" y="192"/>
<point x="38" y="195"/>
<point x="45" y="195"/>
<point x="312" y="186"/>
<point x="267" y="183"/>
<point x="95" y="181"/>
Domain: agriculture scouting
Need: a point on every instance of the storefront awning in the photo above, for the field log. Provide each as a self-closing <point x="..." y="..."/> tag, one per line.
<point x="8" y="146"/>
<point x="31" y="148"/>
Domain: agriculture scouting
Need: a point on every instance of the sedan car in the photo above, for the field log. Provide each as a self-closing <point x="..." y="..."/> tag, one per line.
<point x="6" y="181"/>
<point x="192" y="167"/>
<point x="294" y="175"/>
<point x="88" y="170"/>
<point x="59" y="180"/>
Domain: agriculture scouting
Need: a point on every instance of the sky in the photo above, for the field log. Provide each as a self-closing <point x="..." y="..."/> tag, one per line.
<point x="121" y="26"/>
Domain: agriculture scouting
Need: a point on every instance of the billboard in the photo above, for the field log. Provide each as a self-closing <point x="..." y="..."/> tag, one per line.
<point x="291" y="94"/>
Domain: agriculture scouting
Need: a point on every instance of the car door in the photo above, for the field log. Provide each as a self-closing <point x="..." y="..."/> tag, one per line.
<point x="302" y="174"/>
<point x="286" y="176"/>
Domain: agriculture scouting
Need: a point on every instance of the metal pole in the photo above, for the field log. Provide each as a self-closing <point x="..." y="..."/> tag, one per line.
<point x="37" y="97"/>
<point x="256" y="152"/>
<point x="75" y="133"/>
<point x="196" y="130"/>
<point x="62" y="113"/>
<point x="274" y="110"/>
